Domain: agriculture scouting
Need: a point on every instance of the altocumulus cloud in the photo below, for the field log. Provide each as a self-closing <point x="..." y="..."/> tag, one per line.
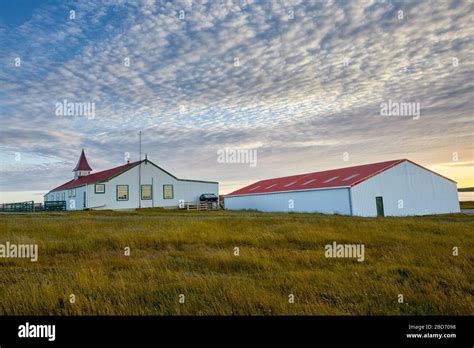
<point x="300" y="81"/>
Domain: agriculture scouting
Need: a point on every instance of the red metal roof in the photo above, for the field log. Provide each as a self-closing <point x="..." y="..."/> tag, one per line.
<point x="96" y="177"/>
<point x="349" y="176"/>
<point x="82" y="164"/>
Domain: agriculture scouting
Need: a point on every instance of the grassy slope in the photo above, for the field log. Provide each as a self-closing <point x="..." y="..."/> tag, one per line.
<point x="467" y="205"/>
<point x="192" y="253"/>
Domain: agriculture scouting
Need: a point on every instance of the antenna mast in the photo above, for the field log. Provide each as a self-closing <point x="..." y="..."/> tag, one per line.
<point x="140" y="171"/>
<point x="140" y="144"/>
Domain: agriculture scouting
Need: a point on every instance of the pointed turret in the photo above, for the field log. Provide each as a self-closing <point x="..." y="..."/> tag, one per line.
<point x="82" y="167"/>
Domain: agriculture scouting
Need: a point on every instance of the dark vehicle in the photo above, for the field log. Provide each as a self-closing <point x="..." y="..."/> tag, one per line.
<point x="208" y="197"/>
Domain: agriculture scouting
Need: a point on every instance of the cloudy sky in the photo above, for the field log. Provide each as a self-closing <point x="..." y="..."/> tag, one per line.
<point x="302" y="83"/>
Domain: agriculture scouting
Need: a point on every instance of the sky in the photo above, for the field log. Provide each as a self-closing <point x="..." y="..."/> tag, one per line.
<point x="300" y="86"/>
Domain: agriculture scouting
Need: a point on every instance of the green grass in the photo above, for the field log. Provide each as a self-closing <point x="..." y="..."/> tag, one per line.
<point x="192" y="253"/>
<point x="467" y="205"/>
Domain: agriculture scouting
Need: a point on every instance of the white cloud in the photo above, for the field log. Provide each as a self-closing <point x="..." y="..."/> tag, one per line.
<point x="290" y="91"/>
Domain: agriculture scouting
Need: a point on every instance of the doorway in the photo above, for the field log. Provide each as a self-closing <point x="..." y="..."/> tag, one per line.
<point x="379" y="203"/>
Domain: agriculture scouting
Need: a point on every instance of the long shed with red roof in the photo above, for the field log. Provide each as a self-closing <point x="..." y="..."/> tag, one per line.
<point x="391" y="188"/>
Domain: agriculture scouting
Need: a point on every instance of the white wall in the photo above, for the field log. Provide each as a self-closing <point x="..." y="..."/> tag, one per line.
<point x="78" y="201"/>
<point x="329" y="201"/>
<point x="72" y="203"/>
<point x="189" y="191"/>
<point x="421" y="192"/>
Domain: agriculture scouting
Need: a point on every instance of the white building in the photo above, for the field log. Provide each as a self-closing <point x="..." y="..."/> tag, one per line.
<point x="393" y="188"/>
<point x="132" y="185"/>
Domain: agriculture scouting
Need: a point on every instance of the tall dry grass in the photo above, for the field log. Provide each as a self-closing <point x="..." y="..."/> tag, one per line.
<point x="192" y="253"/>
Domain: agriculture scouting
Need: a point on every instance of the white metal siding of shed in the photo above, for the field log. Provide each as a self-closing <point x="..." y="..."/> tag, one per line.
<point x="327" y="201"/>
<point x="420" y="191"/>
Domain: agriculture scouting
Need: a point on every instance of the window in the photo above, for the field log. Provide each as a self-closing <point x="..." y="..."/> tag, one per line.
<point x="350" y="177"/>
<point x="122" y="192"/>
<point x="167" y="191"/>
<point x="291" y="183"/>
<point x="309" y="181"/>
<point x="71" y="193"/>
<point x="63" y="196"/>
<point x="332" y="179"/>
<point x="146" y="192"/>
<point x="99" y="188"/>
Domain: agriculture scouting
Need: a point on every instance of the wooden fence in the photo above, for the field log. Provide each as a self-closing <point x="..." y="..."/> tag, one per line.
<point x="201" y="206"/>
<point x="54" y="205"/>
<point x="28" y="206"/>
<point x="31" y="206"/>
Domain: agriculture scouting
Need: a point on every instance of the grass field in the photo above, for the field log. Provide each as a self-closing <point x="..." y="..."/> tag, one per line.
<point x="192" y="253"/>
<point x="467" y="205"/>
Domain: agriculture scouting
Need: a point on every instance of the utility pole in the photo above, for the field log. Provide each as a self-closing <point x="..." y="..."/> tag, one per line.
<point x="140" y="171"/>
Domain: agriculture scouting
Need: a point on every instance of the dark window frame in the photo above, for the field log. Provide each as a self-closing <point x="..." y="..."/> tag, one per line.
<point x="117" y="193"/>
<point x="95" y="189"/>
<point x="172" y="191"/>
<point x="151" y="192"/>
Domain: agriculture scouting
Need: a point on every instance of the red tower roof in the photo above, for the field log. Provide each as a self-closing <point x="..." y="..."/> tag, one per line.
<point x="82" y="164"/>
